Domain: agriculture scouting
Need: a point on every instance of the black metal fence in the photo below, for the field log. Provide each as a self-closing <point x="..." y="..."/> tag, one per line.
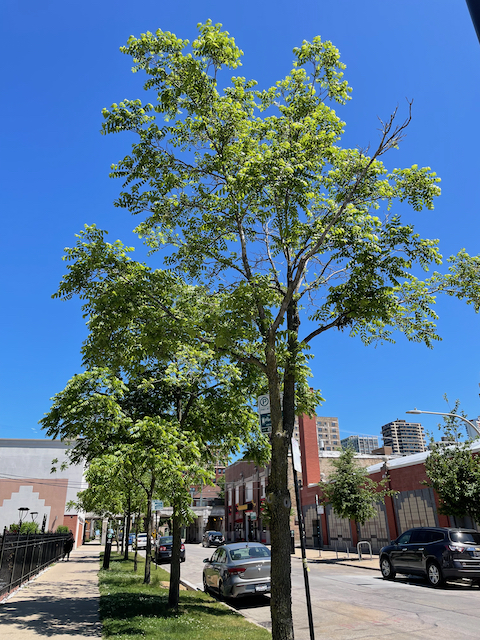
<point x="24" y="555"/>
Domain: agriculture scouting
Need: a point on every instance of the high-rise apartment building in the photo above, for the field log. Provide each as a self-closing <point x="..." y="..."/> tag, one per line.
<point x="404" y="437"/>
<point x="328" y="433"/>
<point x="360" y="444"/>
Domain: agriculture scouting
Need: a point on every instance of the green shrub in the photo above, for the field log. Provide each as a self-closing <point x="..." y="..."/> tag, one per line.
<point x="62" y="529"/>
<point x="27" y="527"/>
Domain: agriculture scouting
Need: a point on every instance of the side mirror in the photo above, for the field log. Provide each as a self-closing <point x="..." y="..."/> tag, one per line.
<point x="206" y="559"/>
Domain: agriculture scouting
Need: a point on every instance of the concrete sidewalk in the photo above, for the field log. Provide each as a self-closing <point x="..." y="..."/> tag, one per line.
<point x="61" y="603"/>
<point x="331" y="557"/>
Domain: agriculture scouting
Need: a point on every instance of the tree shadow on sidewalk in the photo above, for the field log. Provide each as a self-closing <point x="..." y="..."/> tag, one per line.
<point x="53" y="615"/>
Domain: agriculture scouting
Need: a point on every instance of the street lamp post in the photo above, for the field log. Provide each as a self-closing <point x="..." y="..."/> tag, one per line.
<point x="21" y="512"/>
<point x="451" y="415"/>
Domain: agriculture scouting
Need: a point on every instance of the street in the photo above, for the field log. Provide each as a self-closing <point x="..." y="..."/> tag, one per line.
<point x="350" y="603"/>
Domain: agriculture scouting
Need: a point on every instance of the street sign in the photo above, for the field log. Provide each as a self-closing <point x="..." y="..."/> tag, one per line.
<point x="263" y="404"/>
<point x="297" y="461"/>
<point x="320" y="509"/>
<point x="157" y="505"/>
<point x="265" y="423"/>
<point x="248" y="506"/>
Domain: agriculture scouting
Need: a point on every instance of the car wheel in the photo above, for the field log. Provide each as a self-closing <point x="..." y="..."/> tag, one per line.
<point x="386" y="568"/>
<point x="434" y="575"/>
<point x="182" y="559"/>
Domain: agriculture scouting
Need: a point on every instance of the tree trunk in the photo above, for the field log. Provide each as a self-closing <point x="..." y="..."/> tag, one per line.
<point x="122" y="544"/>
<point x="148" y="549"/>
<point x="174" y="590"/>
<point x="135" y="557"/>
<point x="127" y="528"/>
<point x="279" y="501"/>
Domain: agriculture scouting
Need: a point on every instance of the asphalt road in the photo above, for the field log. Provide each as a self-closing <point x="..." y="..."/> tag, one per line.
<point x="351" y="603"/>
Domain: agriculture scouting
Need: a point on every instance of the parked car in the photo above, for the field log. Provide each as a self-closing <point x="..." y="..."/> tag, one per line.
<point x="142" y="541"/>
<point x="163" y="550"/>
<point x="212" y="539"/>
<point x="238" y="569"/>
<point x="438" y="553"/>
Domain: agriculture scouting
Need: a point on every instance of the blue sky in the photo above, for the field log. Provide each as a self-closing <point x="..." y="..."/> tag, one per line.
<point x="62" y="65"/>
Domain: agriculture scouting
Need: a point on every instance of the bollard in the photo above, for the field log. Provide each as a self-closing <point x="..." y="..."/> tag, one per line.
<point x="108" y="551"/>
<point x="292" y="541"/>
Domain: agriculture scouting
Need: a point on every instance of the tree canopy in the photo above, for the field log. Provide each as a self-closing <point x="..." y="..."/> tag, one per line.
<point x="453" y="471"/>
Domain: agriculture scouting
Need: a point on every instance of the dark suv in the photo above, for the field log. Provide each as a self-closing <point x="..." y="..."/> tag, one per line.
<point x="439" y="553"/>
<point x="212" y="539"/>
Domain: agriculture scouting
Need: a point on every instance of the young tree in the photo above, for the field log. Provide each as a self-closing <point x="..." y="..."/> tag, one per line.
<point x="454" y="472"/>
<point x="130" y="310"/>
<point x="92" y="412"/>
<point x="111" y="490"/>
<point x="351" y="492"/>
<point x="256" y="200"/>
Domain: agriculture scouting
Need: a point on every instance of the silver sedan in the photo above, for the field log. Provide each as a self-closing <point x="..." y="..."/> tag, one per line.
<point x="238" y="569"/>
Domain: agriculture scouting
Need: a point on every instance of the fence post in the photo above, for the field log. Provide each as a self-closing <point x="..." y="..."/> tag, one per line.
<point x="3" y="545"/>
<point x="25" y="552"/>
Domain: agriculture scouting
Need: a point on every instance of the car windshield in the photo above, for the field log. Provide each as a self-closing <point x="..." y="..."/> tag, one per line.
<point x="467" y="537"/>
<point x="166" y="540"/>
<point x="247" y="553"/>
<point x="215" y="535"/>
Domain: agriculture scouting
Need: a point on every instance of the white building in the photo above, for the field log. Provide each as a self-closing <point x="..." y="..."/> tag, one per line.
<point x="26" y="482"/>
<point x="361" y="444"/>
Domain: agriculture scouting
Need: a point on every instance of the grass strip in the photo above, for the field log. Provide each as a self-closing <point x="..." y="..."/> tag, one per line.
<point x="131" y="610"/>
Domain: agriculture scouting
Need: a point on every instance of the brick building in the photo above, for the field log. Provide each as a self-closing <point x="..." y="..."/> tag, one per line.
<point x="245" y="483"/>
<point x="413" y="505"/>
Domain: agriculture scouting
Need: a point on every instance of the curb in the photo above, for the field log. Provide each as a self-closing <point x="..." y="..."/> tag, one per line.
<point x="189" y="586"/>
<point x="346" y="562"/>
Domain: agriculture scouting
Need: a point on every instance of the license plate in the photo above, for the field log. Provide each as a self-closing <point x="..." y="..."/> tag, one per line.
<point x="261" y="587"/>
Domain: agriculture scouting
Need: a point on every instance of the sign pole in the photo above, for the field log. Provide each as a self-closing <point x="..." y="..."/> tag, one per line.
<point x="320" y="511"/>
<point x="301" y="525"/>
